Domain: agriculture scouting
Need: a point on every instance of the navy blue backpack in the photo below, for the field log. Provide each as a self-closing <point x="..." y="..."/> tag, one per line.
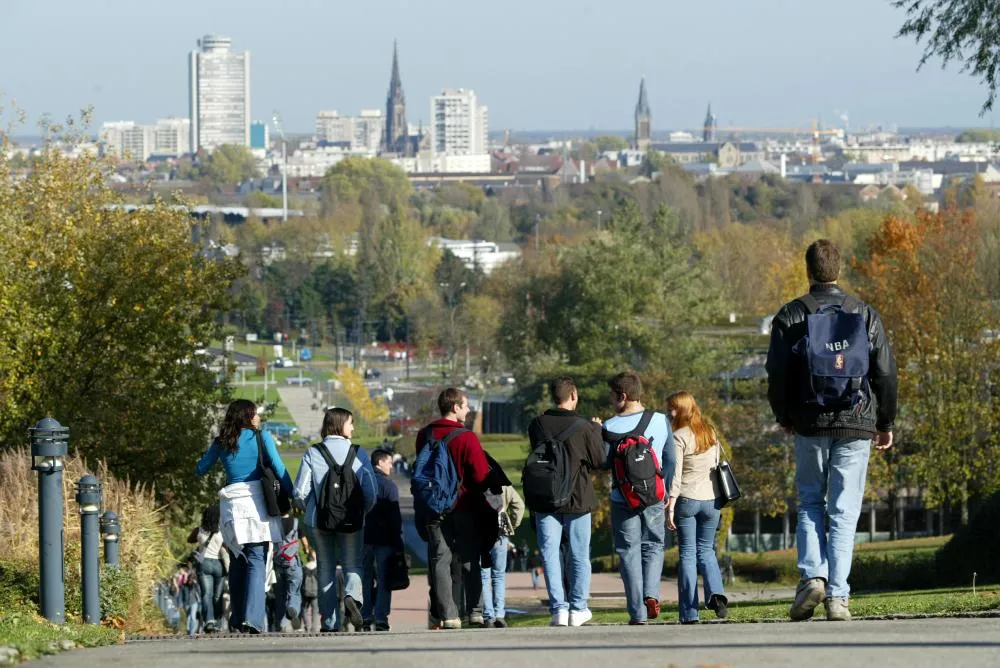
<point x="435" y="483"/>
<point x="836" y="351"/>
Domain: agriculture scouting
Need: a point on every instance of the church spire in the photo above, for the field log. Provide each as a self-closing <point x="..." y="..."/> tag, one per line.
<point x="708" y="132"/>
<point x="396" y="138"/>
<point x="643" y="120"/>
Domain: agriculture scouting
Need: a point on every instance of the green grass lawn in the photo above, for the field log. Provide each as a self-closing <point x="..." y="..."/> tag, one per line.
<point x="926" y="602"/>
<point x="510" y="454"/>
<point x="32" y="636"/>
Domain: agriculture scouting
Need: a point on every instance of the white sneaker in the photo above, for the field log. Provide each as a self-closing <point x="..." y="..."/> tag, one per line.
<point x="579" y="617"/>
<point x="560" y="618"/>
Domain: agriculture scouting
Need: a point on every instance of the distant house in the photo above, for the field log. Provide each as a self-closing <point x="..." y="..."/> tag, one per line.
<point x="728" y="155"/>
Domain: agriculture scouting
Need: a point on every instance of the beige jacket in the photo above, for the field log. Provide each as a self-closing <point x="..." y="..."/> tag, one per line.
<point x="693" y="477"/>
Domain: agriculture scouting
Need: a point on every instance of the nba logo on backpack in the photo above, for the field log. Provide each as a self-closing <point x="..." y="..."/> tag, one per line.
<point x="835" y="350"/>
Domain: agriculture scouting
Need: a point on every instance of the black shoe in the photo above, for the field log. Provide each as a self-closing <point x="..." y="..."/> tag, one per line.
<point x="210" y="627"/>
<point x="380" y="627"/>
<point x="689" y="622"/>
<point x="328" y="630"/>
<point x="353" y="613"/>
<point x="720" y="605"/>
<point x="252" y="630"/>
<point x="637" y="622"/>
<point x="499" y="624"/>
<point x="293" y="617"/>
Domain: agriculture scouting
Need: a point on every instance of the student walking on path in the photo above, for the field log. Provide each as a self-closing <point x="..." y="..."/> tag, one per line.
<point x="208" y="559"/>
<point x="832" y="383"/>
<point x="694" y="508"/>
<point x="383" y="542"/>
<point x="642" y="469"/>
<point x="565" y="448"/>
<point x="510" y="512"/>
<point x="337" y="456"/>
<point x="247" y="529"/>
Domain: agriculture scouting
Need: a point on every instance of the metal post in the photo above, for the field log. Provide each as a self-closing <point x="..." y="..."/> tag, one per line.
<point x="110" y="530"/>
<point x="88" y="495"/>
<point x="49" y="444"/>
<point x="284" y="180"/>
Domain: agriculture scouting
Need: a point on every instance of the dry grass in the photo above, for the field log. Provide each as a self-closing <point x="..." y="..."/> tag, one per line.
<point x="143" y="541"/>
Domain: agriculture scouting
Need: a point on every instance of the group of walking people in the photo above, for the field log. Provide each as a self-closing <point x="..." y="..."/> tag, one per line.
<point x="831" y="384"/>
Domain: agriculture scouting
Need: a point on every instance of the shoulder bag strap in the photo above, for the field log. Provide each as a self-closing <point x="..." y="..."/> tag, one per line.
<point x="260" y="449"/>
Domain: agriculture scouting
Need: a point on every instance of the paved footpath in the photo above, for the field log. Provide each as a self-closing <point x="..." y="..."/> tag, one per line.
<point x="886" y="644"/>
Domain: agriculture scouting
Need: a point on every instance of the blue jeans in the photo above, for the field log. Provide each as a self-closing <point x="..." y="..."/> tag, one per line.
<point x="210" y="579"/>
<point x="550" y="529"/>
<point x="192" y="615"/>
<point x="639" y="545"/>
<point x="287" y="589"/>
<point x="331" y="548"/>
<point x="697" y="522"/>
<point x="378" y="596"/>
<point x="830" y="478"/>
<point x="495" y="582"/>
<point x="247" y="580"/>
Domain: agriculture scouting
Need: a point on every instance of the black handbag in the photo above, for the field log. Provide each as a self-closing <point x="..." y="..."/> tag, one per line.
<point x="399" y="572"/>
<point x="275" y="498"/>
<point x="729" y="489"/>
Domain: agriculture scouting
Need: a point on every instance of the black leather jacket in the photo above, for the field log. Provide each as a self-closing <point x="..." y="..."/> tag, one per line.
<point x="785" y="371"/>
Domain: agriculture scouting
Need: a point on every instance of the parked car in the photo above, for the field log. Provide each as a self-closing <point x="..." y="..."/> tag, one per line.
<point x="280" y="429"/>
<point x="295" y="380"/>
<point x="373" y="373"/>
<point x="284" y="363"/>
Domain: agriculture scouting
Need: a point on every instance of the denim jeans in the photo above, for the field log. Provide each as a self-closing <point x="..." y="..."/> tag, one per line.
<point x="550" y="529"/>
<point x="331" y="548"/>
<point x="247" y="581"/>
<point x="210" y="579"/>
<point x="287" y="590"/>
<point x="639" y="545"/>
<point x="495" y="581"/>
<point x="697" y="522"/>
<point x="310" y="615"/>
<point x="378" y="595"/>
<point x="192" y="615"/>
<point x="830" y="478"/>
<point x="453" y="571"/>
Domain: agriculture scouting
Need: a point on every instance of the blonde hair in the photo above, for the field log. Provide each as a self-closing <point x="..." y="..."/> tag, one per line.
<point x="687" y="414"/>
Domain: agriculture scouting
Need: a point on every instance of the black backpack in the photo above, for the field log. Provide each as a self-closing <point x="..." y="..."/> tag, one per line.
<point x="548" y="475"/>
<point x="340" y="504"/>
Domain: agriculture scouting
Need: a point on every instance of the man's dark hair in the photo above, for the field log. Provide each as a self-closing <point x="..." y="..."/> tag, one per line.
<point x="380" y="455"/>
<point x="627" y="383"/>
<point x="823" y="261"/>
<point x="561" y="389"/>
<point x="450" y="399"/>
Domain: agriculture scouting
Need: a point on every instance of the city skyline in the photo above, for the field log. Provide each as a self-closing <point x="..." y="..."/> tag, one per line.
<point x="566" y="66"/>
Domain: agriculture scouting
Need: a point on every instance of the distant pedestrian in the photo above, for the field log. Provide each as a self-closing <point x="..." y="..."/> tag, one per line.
<point x="208" y="561"/>
<point x="535" y="568"/>
<point x="310" y="593"/>
<point x="191" y="599"/>
<point x="694" y="500"/>
<point x="247" y="529"/>
<point x="288" y="574"/>
<point x="522" y="557"/>
<point x="817" y="342"/>
<point x="636" y="438"/>
<point x="345" y="543"/>
<point x="383" y="545"/>
<point x="510" y="512"/>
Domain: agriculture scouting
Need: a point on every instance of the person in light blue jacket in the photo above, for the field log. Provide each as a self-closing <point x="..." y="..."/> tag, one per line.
<point x="333" y="547"/>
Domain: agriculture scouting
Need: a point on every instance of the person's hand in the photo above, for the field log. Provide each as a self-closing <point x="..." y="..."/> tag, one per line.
<point x="670" y="520"/>
<point x="883" y="440"/>
<point x="597" y="420"/>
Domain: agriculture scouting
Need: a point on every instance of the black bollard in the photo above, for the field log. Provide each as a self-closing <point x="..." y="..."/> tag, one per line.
<point x="110" y="530"/>
<point x="49" y="441"/>
<point x="88" y="495"/>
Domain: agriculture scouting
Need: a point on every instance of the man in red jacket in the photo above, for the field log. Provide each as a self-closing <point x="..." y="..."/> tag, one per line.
<point x="453" y="541"/>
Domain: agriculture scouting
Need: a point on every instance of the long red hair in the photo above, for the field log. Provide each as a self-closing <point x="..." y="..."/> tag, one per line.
<point x="687" y="414"/>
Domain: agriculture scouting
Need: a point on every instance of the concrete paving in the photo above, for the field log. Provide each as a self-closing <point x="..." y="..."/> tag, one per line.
<point x="305" y="409"/>
<point x="888" y="644"/>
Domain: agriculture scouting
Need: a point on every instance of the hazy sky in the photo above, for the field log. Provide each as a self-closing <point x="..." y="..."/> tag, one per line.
<point x="538" y="64"/>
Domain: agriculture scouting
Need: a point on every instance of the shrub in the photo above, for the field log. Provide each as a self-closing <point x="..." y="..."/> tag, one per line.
<point x="974" y="548"/>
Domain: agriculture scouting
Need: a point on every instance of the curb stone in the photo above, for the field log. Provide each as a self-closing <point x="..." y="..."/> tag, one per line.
<point x="8" y="656"/>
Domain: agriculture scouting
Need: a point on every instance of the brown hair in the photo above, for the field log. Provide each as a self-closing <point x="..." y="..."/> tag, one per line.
<point x="333" y="422"/>
<point x="449" y="400"/>
<point x="823" y="261"/>
<point x="561" y="389"/>
<point x="689" y="415"/>
<point x="627" y="383"/>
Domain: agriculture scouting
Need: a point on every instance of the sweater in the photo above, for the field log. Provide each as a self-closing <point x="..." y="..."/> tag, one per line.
<point x="466" y="453"/>
<point x="693" y="477"/>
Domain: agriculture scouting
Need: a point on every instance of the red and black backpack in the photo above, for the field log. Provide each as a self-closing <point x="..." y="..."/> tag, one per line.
<point x="635" y="468"/>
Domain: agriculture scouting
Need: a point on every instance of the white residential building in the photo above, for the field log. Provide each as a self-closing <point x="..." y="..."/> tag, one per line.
<point x="459" y="123"/>
<point x="219" y="80"/>
<point x="172" y="136"/>
<point x="361" y="133"/>
<point x="128" y="140"/>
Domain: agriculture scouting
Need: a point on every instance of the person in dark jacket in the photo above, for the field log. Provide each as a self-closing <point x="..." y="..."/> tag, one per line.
<point x="832" y="447"/>
<point x="454" y="542"/>
<point x="585" y="449"/>
<point x="383" y="541"/>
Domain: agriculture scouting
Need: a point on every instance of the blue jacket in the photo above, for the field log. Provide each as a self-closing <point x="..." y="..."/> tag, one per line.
<point x="384" y="524"/>
<point x="241" y="466"/>
<point x="314" y="469"/>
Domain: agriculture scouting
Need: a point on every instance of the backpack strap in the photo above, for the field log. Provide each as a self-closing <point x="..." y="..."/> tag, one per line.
<point x="452" y="434"/>
<point x="352" y="453"/>
<point x="647" y="417"/>
<point x="327" y="457"/>
<point x="850" y="304"/>
<point x="811" y="303"/>
<point x="568" y="431"/>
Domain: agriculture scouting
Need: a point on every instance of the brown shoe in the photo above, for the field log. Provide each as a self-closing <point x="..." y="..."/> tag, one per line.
<point x="808" y="595"/>
<point x="652" y="608"/>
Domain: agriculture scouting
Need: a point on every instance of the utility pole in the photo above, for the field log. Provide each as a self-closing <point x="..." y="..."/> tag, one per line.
<point x="284" y="167"/>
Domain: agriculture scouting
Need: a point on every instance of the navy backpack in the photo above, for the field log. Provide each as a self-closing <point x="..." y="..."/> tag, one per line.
<point x="836" y="350"/>
<point x="435" y="483"/>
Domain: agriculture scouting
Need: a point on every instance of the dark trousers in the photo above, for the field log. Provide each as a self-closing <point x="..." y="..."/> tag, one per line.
<point x="453" y="573"/>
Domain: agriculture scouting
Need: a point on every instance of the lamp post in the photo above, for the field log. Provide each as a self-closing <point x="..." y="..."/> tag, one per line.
<point x="88" y="495"/>
<point x="284" y="167"/>
<point x="599" y="212"/>
<point x="49" y="441"/>
<point x="110" y="530"/>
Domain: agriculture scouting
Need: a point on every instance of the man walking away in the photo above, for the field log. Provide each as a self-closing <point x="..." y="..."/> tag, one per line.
<point x="453" y="537"/>
<point x="832" y="383"/>
<point x="638" y="493"/>
<point x="383" y="541"/>
<point x="565" y="448"/>
<point x="510" y="512"/>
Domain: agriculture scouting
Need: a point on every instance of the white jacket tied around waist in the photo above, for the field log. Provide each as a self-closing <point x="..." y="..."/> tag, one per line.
<point x="243" y="516"/>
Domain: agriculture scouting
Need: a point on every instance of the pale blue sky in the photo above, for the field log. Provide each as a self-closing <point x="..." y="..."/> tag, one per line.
<point x="538" y="64"/>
